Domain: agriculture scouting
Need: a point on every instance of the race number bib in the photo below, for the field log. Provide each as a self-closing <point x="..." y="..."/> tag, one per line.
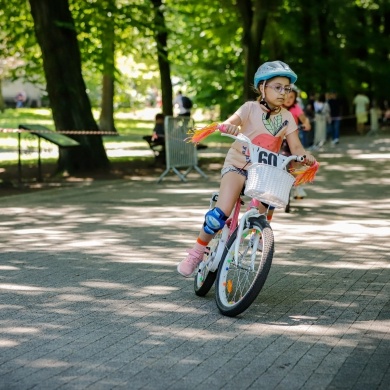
<point x="264" y="156"/>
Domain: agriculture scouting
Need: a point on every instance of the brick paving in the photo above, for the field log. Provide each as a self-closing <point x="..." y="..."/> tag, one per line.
<point x="90" y="297"/>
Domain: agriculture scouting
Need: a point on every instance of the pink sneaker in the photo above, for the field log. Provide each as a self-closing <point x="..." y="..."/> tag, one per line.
<point x="187" y="266"/>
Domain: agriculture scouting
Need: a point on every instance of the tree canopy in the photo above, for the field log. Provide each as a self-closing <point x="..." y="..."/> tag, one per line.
<point x="211" y="49"/>
<point x="330" y="44"/>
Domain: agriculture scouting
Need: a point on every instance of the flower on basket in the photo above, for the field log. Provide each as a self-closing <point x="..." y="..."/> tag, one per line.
<point x="305" y="174"/>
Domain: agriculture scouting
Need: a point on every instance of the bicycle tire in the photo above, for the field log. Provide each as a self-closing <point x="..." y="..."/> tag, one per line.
<point x="287" y="208"/>
<point x="237" y="286"/>
<point x="204" y="278"/>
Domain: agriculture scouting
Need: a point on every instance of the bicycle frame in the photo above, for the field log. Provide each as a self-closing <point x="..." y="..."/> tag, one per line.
<point x="252" y="212"/>
<point x="282" y="162"/>
<point x="239" y="257"/>
<point x="229" y="228"/>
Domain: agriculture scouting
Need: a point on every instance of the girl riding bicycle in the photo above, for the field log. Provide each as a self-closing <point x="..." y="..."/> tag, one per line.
<point x="265" y="122"/>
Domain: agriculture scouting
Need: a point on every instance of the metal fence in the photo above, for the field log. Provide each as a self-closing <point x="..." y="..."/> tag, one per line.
<point x="179" y="154"/>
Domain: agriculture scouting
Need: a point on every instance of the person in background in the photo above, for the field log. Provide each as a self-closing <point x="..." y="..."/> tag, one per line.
<point x="185" y="104"/>
<point x="322" y="117"/>
<point x="310" y="114"/>
<point x="291" y="104"/>
<point x="156" y="141"/>
<point x="333" y="128"/>
<point x="362" y="104"/>
<point x="375" y="118"/>
<point x="20" y="99"/>
<point x="180" y="101"/>
<point x="385" y="120"/>
<point x="158" y="130"/>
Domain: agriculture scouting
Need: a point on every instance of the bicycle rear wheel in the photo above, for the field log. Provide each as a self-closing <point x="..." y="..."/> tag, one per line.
<point x="204" y="278"/>
<point x="238" y="285"/>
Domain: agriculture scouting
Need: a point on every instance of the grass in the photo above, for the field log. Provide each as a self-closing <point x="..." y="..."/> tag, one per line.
<point x="12" y="118"/>
<point x="131" y="126"/>
<point x="131" y="130"/>
<point x="125" y="124"/>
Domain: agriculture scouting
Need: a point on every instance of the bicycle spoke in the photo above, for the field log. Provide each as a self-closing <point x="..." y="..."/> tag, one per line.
<point x="241" y="279"/>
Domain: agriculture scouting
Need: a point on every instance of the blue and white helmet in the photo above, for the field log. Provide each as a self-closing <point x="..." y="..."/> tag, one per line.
<point x="273" y="69"/>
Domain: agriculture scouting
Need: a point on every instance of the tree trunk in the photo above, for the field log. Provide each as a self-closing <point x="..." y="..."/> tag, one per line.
<point x="254" y="14"/>
<point x="323" y="43"/>
<point x="2" y="104"/>
<point x="106" y="120"/>
<point x="71" y="108"/>
<point x="310" y="42"/>
<point x="161" y="36"/>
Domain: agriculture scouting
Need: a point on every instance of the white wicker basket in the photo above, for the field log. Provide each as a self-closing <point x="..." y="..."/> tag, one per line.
<point x="269" y="184"/>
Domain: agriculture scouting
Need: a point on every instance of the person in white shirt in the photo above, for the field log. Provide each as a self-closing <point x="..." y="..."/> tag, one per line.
<point x="322" y="118"/>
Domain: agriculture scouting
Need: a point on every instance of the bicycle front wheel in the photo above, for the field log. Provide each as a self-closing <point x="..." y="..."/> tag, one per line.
<point x="240" y="281"/>
<point x="287" y="208"/>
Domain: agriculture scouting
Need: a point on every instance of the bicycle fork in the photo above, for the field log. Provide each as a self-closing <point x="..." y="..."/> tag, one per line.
<point x="254" y="241"/>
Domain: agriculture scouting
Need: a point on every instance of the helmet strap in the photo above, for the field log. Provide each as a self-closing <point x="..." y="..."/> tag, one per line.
<point x="264" y="104"/>
<point x="265" y="107"/>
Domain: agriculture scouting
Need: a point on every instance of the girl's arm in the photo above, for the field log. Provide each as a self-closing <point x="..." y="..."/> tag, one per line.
<point x="305" y="122"/>
<point x="296" y="148"/>
<point x="231" y="125"/>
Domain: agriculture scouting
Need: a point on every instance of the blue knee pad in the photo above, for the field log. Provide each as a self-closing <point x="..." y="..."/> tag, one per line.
<point x="215" y="220"/>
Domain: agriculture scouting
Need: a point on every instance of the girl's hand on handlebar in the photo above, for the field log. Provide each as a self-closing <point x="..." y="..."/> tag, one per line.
<point x="228" y="128"/>
<point x="309" y="160"/>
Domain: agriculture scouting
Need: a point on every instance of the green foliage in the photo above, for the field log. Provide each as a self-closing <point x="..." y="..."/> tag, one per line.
<point x="18" y="46"/>
<point x="94" y="20"/>
<point x="205" y="48"/>
<point x="331" y="44"/>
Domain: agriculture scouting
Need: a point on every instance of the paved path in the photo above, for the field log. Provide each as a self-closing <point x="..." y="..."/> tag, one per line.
<point x="90" y="299"/>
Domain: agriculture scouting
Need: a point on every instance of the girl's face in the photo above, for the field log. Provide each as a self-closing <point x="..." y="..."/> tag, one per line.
<point x="275" y="91"/>
<point x="289" y="100"/>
